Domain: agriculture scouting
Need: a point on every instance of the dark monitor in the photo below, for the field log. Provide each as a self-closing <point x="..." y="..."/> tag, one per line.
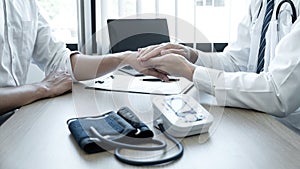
<point x="131" y="34"/>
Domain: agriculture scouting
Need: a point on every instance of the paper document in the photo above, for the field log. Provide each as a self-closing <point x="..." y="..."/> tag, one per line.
<point x="143" y="84"/>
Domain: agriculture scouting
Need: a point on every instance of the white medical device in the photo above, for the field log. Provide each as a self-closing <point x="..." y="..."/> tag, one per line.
<point x="181" y="115"/>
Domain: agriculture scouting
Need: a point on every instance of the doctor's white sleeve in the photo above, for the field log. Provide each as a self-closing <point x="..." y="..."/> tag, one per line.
<point x="276" y="92"/>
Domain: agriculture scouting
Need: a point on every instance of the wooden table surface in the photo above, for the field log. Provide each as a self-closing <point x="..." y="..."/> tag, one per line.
<point x="37" y="136"/>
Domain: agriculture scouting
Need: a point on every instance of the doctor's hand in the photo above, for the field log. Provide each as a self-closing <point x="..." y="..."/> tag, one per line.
<point x="131" y="60"/>
<point x="172" y="64"/>
<point x="167" y="48"/>
<point x="56" y="83"/>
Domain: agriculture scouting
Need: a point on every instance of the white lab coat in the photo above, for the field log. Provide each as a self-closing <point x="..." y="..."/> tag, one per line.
<point x="231" y="76"/>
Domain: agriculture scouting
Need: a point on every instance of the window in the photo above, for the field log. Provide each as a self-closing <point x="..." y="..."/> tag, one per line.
<point x="62" y="17"/>
<point x="210" y="3"/>
<point x="219" y="3"/>
<point x="200" y="3"/>
<point x="214" y="22"/>
<point x="210" y="21"/>
<point x="218" y="19"/>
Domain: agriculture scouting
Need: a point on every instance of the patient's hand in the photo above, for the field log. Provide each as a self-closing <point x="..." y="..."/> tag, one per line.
<point x="56" y="83"/>
<point x="131" y="59"/>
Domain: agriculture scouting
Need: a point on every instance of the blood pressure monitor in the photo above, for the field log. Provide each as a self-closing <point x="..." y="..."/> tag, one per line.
<point x="181" y="115"/>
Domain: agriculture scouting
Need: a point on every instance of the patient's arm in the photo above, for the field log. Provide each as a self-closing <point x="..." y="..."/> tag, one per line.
<point x="87" y="67"/>
<point x="53" y="85"/>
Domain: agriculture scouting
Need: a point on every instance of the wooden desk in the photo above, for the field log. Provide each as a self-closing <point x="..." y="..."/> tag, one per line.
<point x="37" y="137"/>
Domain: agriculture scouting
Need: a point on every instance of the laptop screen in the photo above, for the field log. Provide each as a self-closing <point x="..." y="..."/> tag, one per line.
<point x="131" y="34"/>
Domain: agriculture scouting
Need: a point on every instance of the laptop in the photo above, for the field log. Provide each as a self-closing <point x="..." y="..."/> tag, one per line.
<point x="131" y="34"/>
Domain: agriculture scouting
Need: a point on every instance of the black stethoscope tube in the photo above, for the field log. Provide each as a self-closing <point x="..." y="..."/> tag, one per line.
<point x="160" y="146"/>
<point x="294" y="13"/>
<point x="154" y="162"/>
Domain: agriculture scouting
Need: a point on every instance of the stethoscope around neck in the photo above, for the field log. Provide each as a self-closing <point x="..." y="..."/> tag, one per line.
<point x="293" y="14"/>
<point x="290" y="2"/>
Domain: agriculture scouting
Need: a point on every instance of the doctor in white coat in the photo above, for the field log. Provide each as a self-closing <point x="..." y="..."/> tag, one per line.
<point x="275" y="90"/>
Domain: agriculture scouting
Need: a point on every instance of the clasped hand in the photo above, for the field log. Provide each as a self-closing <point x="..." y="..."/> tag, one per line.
<point x="168" y="59"/>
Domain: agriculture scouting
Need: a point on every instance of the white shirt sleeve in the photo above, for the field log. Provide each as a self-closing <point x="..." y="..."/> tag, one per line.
<point x="49" y="54"/>
<point x="275" y="92"/>
<point x="219" y="61"/>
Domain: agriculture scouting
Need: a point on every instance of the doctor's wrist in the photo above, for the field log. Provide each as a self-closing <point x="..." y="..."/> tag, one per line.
<point x="189" y="73"/>
<point x="193" y="55"/>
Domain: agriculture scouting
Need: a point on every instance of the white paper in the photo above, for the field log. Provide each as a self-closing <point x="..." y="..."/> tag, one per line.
<point x="123" y="83"/>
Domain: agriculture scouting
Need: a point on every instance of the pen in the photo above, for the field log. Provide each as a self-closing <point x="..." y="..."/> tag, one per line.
<point x="102" y="81"/>
<point x="159" y="80"/>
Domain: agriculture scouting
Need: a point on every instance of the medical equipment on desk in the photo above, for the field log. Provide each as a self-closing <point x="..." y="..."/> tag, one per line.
<point x="181" y="115"/>
<point x="123" y="130"/>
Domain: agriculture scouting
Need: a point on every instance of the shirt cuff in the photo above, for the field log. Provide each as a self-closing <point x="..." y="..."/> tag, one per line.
<point x="199" y="61"/>
<point x="70" y="70"/>
<point x="206" y="79"/>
